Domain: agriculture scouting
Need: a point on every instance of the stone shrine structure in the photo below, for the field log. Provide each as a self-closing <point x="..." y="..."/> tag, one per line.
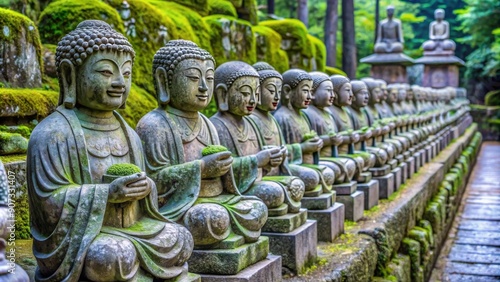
<point x="440" y="63"/>
<point x="389" y="63"/>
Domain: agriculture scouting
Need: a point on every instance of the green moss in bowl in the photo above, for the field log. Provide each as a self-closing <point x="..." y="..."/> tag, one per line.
<point x="310" y="135"/>
<point x="119" y="170"/>
<point x="213" y="149"/>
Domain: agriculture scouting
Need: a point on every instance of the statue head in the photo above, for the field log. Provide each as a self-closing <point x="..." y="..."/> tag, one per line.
<point x="342" y="90"/>
<point x="439" y="14"/>
<point x="296" y="90"/>
<point x="236" y="88"/>
<point x="360" y="94"/>
<point x="390" y="11"/>
<point x="383" y="88"/>
<point x="374" y="91"/>
<point x="271" y="82"/>
<point x="94" y="67"/>
<point x="392" y="97"/>
<point x="402" y="92"/>
<point x="322" y="90"/>
<point x="417" y="93"/>
<point x="183" y="76"/>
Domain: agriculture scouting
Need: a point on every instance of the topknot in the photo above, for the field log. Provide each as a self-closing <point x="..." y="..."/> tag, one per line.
<point x="293" y="77"/>
<point x="229" y="72"/>
<point x="90" y="36"/>
<point x="176" y="51"/>
<point x="259" y="66"/>
<point x="357" y="85"/>
<point x="338" y="81"/>
<point x="318" y="78"/>
<point x="266" y="71"/>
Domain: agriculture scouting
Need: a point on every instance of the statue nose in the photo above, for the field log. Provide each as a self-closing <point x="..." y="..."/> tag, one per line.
<point x="118" y="84"/>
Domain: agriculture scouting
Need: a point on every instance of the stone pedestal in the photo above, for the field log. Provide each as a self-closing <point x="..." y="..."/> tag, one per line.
<point x="345" y="188"/>
<point x="330" y="222"/>
<point x="321" y="202"/>
<point x="422" y="156"/>
<point x="386" y="184"/>
<point x="229" y="261"/>
<point x="404" y="172"/>
<point x="354" y="205"/>
<point x="390" y="67"/>
<point x="297" y="248"/>
<point x="268" y="269"/>
<point x="410" y="162"/>
<point x="417" y="158"/>
<point x="440" y="69"/>
<point x="371" y="192"/>
<point x="381" y="171"/>
<point x="285" y="223"/>
<point x="397" y="178"/>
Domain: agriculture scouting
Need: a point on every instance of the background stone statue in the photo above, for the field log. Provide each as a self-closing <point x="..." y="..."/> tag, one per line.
<point x="389" y="34"/>
<point x="439" y="34"/>
<point x="84" y="227"/>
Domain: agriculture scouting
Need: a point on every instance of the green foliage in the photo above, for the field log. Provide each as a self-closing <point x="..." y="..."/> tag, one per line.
<point x="139" y="103"/>
<point x="213" y="149"/>
<point x="319" y="52"/>
<point x="22" y="215"/>
<point x="269" y="50"/>
<point x="17" y="25"/>
<point x="241" y="39"/>
<point x="22" y="129"/>
<point x="310" y="135"/>
<point x="221" y="7"/>
<point x="123" y="169"/>
<point x="12" y="143"/>
<point x="27" y="102"/>
<point x="200" y="6"/>
<point x="62" y="16"/>
<point x="331" y="71"/>
<point x="492" y="98"/>
<point x="247" y="10"/>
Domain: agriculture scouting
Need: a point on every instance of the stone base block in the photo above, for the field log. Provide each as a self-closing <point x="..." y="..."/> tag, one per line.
<point x="330" y="222"/>
<point x="380" y="171"/>
<point x="354" y="205"/>
<point x="404" y="172"/>
<point x="410" y="167"/>
<point x="345" y="188"/>
<point x="428" y="153"/>
<point x="406" y="155"/>
<point x="228" y="261"/>
<point x="422" y="157"/>
<point x="268" y="269"/>
<point x="297" y="248"/>
<point x="285" y="223"/>
<point x="393" y="163"/>
<point x="371" y="191"/>
<point x="418" y="159"/>
<point x="364" y="177"/>
<point x="386" y="184"/>
<point x="397" y="178"/>
<point x="321" y="202"/>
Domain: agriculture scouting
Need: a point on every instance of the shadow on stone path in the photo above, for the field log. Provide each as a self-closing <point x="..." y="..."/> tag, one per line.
<point x="472" y="250"/>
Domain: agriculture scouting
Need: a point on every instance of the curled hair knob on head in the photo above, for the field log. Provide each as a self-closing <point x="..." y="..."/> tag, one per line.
<point x="259" y="66"/>
<point x="318" y="78"/>
<point x="357" y="85"/>
<point x="338" y="81"/>
<point x="293" y="77"/>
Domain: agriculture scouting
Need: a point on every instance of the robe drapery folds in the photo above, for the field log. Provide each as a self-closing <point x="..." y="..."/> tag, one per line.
<point x="179" y="182"/>
<point x="67" y="210"/>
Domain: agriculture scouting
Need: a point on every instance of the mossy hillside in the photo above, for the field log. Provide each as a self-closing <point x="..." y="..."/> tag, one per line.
<point x="123" y="169"/>
<point x="269" y="48"/>
<point x="241" y="38"/>
<point x="62" y="16"/>
<point x="22" y="215"/>
<point x="200" y="6"/>
<point x="139" y="103"/>
<point x="319" y="52"/>
<point x="24" y="130"/>
<point x="332" y="71"/>
<point x="190" y="24"/>
<point x="221" y="7"/>
<point x="12" y="143"/>
<point x="148" y="20"/>
<point x="27" y="102"/>
<point x="492" y="98"/>
<point x="16" y="22"/>
<point x="247" y="10"/>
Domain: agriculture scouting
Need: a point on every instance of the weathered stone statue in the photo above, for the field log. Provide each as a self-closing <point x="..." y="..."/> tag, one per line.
<point x="393" y="99"/>
<point x="383" y="107"/>
<point x="439" y="34"/>
<point x="295" y="96"/>
<point x="9" y="271"/>
<point x="236" y="90"/>
<point x="389" y="34"/>
<point x="85" y="227"/>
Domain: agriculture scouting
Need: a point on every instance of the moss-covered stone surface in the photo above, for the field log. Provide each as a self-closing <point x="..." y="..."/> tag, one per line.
<point x="27" y="102"/>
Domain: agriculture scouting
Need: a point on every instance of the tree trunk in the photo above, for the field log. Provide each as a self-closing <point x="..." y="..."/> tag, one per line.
<point x="377" y="19"/>
<point x="331" y="26"/>
<point x="270" y="7"/>
<point x="302" y="11"/>
<point x="349" y="60"/>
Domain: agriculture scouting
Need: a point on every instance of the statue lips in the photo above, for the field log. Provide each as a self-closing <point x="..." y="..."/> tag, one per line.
<point x="115" y="93"/>
<point x="307" y="102"/>
<point x="275" y="104"/>
<point x="202" y="97"/>
<point x="250" y="108"/>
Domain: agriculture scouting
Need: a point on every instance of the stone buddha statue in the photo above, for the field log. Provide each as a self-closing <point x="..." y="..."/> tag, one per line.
<point x="389" y="34"/>
<point x="375" y="94"/>
<point x="236" y="90"/>
<point x="404" y="97"/>
<point x="439" y="34"/>
<point x="393" y="99"/>
<point x="263" y="121"/>
<point x="86" y="226"/>
<point x="383" y="107"/>
<point x="296" y="96"/>
<point x="195" y="188"/>
<point x="323" y="124"/>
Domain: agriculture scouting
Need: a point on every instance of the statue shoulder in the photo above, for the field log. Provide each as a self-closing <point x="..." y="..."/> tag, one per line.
<point x="54" y="127"/>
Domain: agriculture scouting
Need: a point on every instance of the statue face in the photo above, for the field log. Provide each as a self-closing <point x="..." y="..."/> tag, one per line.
<point x="385" y="92"/>
<point x="361" y="98"/>
<point x="270" y="93"/>
<point x="390" y="11"/>
<point x="242" y="95"/>
<point x="401" y="94"/>
<point x="103" y="81"/>
<point x="192" y="85"/>
<point x="375" y="96"/>
<point x="393" y="96"/>
<point x="409" y="95"/>
<point x="439" y="15"/>
<point x="344" y="97"/>
<point x="323" y="96"/>
<point x="301" y="96"/>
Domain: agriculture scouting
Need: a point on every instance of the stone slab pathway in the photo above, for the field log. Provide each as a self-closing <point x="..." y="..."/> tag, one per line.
<point x="474" y="254"/>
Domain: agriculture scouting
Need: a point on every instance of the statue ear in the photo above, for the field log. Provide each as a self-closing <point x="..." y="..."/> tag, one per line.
<point x="161" y="86"/>
<point x="286" y="91"/>
<point x="68" y="80"/>
<point x="221" y="97"/>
